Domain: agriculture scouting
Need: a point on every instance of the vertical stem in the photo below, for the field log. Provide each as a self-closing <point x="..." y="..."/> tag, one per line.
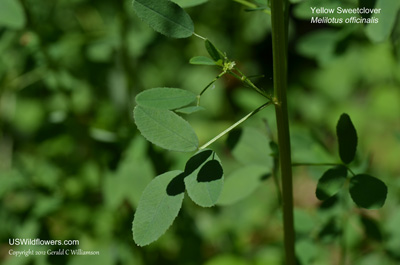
<point x="279" y="19"/>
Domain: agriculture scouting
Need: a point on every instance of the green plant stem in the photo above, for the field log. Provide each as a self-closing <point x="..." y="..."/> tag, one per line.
<point x="279" y="46"/>
<point x="235" y="125"/>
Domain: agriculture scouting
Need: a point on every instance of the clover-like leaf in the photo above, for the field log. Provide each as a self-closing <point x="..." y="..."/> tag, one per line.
<point x="347" y="138"/>
<point x="158" y="207"/>
<point x="165" y="129"/>
<point x="331" y="182"/>
<point x="241" y="183"/>
<point x="204" y="178"/>
<point x="165" y="17"/>
<point x="367" y="191"/>
<point x="165" y="98"/>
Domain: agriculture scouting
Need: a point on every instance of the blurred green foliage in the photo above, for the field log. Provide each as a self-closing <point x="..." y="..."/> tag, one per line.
<point x="73" y="166"/>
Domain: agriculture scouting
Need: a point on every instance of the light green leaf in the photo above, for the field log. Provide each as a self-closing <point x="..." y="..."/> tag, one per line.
<point x="165" y="98"/>
<point x="12" y="14"/>
<point x="347" y="137"/>
<point x="202" y="60"/>
<point x="367" y="191"/>
<point x="204" y="178"/>
<point x="331" y="182"/>
<point x="190" y="109"/>
<point x="215" y="54"/>
<point x="252" y="147"/>
<point x="165" y="129"/>
<point x="189" y="3"/>
<point x="158" y="208"/>
<point x="165" y="17"/>
<point x="380" y="31"/>
<point x="241" y="183"/>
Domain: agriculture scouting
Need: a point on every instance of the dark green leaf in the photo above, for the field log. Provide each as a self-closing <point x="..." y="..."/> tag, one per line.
<point x="204" y="178"/>
<point x="165" y="17"/>
<point x="202" y="60"/>
<point x="241" y="183"/>
<point x="215" y="54"/>
<point x="12" y="14"/>
<point x="347" y="137"/>
<point x="367" y="191"/>
<point x="157" y="209"/>
<point x="331" y="182"/>
<point x="165" y="129"/>
<point x="165" y="98"/>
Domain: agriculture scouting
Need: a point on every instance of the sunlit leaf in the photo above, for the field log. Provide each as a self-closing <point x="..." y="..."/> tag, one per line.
<point x="190" y="109"/>
<point x="204" y="178"/>
<point x="189" y="3"/>
<point x="215" y="54"/>
<point x="347" y="137"/>
<point x="367" y="191"/>
<point x="12" y="14"/>
<point x="165" y="17"/>
<point x="165" y="129"/>
<point x="241" y="183"/>
<point x="331" y="182"/>
<point x="202" y="60"/>
<point x="165" y="98"/>
<point x="157" y="209"/>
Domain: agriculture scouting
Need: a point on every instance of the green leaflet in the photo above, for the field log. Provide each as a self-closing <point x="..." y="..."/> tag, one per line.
<point x="157" y="209"/>
<point x="202" y="60"/>
<point x="189" y="3"/>
<point x="331" y="182"/>
<point x="165" y="129"/>
<point x="367" y="191"/>
<point x="347" y="137"/>
<point x="204" y="178"/>
<point x="215" y="54"/>
<point x="12" y="14"/>
<point x="165" y="17"/>
<point x="378" y="32"/>
<point x="241" y="183"/>
<point x="165" y="98"/>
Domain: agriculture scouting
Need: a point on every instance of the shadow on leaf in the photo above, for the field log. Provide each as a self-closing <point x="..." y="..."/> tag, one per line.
<point x="210" y="171"/>
<point x="196" y="161"/>
<point x="177" y="185"/>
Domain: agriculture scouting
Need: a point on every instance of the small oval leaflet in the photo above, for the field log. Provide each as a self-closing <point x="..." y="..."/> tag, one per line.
<point x="215" y="54"/>
<point x="165" y="17"/>
<point x="367" y="191"/>
<point x="347" y="137"/>
<point x="331" y="182"/>
<point x="165" y="98"/>
<point x="202" y="60"/>
<point x="157" y="209"/>
<point x="204" y="178"/>
<point x="165" y="129"/>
